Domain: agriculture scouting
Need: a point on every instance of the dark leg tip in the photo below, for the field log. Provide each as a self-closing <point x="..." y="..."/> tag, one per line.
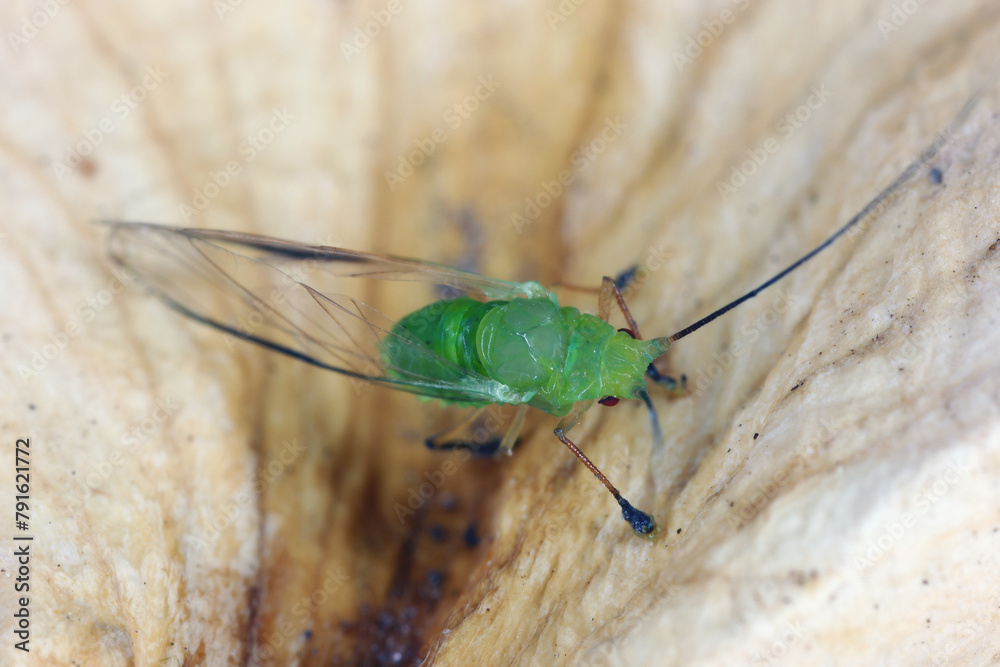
<point x="641" y="522"/>
<point x="484" y="449"/>
<point x="625" y="278"/>
<point x="667" y="382"/>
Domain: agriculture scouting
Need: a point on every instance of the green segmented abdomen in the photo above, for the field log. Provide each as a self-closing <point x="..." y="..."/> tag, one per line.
<point x="541" y="354"/>
<point x="520" y="344"/>
<point x="449" y="328"/>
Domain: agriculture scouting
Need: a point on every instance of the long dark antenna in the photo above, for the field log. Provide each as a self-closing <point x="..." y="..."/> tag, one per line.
<point x="908" y="173"/>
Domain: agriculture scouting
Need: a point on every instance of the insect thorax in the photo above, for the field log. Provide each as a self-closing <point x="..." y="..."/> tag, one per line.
<point x="546" y="355"/>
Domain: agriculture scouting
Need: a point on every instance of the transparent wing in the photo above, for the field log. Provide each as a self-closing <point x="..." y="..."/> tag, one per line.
<point x="325" y="261"/>
<point x="255" y="288"/>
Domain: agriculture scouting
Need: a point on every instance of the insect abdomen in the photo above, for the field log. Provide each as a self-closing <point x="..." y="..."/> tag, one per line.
<point x="520" y="344"/>
<point x="449" y="328"/>
<point x="538" y="352"/>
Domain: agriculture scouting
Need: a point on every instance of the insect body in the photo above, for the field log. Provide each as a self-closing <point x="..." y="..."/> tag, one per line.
<point x="497" y="342"/>
<point x="538" y="353"/>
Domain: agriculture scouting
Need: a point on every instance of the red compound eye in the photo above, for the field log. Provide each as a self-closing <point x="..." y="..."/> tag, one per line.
<point x="609" y="401"/>
<point x="629" y="332"/>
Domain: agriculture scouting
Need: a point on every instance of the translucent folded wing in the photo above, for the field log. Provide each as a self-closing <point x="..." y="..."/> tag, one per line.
<point x="278" y="294"/>
<point x="342" y="263"/>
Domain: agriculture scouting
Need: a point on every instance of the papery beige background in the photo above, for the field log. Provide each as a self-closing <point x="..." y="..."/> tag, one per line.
<point x="828" y="492"/>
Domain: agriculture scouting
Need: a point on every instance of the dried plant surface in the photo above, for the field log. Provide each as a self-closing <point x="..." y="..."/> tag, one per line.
<point x="827" y="489"/>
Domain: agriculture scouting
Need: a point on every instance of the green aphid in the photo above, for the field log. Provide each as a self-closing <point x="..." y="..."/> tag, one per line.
<point x="496" y="342"/>
<point x="535" y="352"/>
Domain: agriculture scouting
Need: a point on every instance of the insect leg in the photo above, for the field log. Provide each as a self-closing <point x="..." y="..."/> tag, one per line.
<point x="672" y="385"/>
<point x="510" y="438"/>
<point x="455" y="437"/>
<point x="573" y="287"/>
<point x="611" y="288"/>
<point x="622" y="280"/>
<point x="609" y="291"/>
<point x="625" y="278"/>
<point x="653" y="418"/>
<point x="642" y="523"/>
<point x="483" y="449"/>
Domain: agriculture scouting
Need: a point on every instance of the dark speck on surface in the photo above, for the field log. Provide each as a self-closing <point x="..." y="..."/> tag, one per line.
<point x="471" y="537"/>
